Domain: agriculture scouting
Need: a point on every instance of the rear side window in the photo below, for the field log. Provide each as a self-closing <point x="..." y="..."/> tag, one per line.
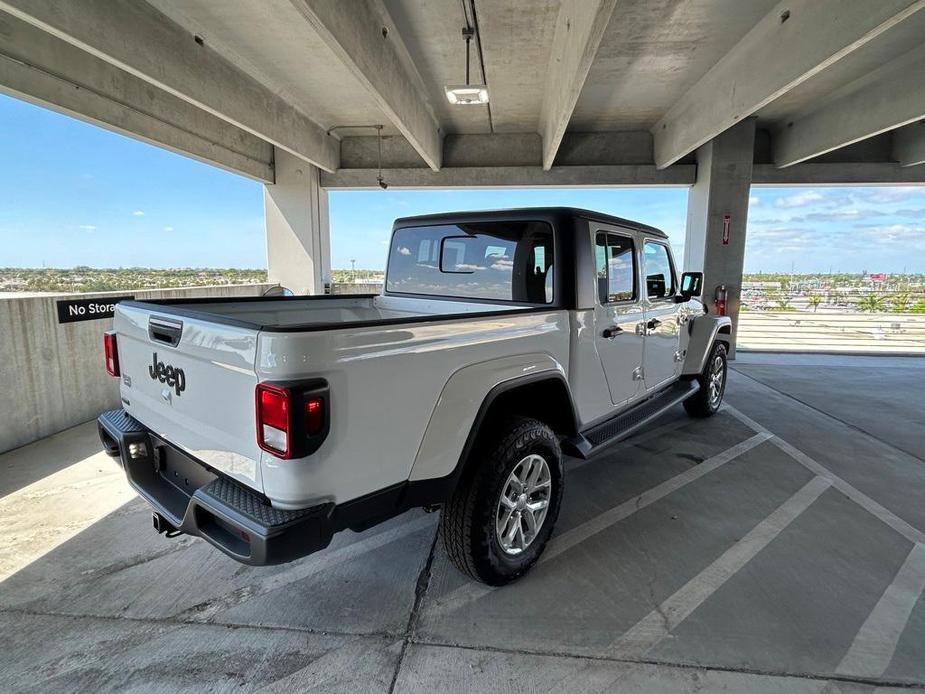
<point x="659" y="272"/>
<point x="616" y="267"/>
<point x="498" y="261"/>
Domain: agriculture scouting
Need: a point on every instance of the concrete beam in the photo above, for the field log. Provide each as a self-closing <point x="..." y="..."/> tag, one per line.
<point x="503" y="149"/>
<point x="498" y="149"/>
<point x="37" y="67"/>
<point x="515" y="176"/>
<point x="579" y="29"/>
<point x="793" y="42"/>
<point x="138" y="39"/>
<point x="354" y="32"/>
<point x="838" y="174"/>
<point x="909" y="144"/>
<point x="888" y="98"/>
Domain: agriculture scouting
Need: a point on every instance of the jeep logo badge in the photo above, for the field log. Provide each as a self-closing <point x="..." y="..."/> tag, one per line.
<point x="165" y="373"/>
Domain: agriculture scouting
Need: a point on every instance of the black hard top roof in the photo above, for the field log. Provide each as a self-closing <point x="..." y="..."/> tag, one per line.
<point x="526" y="213"/>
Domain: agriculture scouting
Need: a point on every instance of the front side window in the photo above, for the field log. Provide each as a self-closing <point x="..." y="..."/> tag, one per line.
<point x="498" y="261"/>
<point x="616" y="268"/>
<point x="659" y="272"/>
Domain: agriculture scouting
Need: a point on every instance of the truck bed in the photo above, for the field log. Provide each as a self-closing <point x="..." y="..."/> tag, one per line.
<point x="293" y="313"/>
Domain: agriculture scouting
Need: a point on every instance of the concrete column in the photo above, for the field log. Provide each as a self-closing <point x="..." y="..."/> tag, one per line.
<point x="298" y="232"/>
<point x="724" y="175"/>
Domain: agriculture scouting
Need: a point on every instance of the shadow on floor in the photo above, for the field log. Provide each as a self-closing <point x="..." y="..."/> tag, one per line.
<point x="35" y="461"/>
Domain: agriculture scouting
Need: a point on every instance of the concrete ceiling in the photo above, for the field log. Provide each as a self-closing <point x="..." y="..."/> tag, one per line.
<point x="660" y="73"/>
<point x="653" y="52"/>
<point x="849" y="72"/>
<point x="270" y="41"/>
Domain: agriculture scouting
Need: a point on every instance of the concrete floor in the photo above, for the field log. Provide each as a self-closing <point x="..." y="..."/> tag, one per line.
<point x="777" y="547"/>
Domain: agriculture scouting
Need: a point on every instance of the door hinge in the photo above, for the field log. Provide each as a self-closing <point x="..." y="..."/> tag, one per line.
<point x="638" y="374"/>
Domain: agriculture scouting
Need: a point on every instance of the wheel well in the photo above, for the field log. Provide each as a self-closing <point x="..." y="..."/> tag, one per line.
<point x="724" y="334"/>
<point x="547" y="400"/>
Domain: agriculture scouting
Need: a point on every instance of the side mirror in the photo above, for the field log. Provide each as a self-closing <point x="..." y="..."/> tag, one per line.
<point x="691" y="286"/>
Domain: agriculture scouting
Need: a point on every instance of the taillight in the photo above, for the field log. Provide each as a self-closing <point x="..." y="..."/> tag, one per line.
<point x="292" y="418"/>
<point x="111" y="350"/>
<point x="274" y="425"/>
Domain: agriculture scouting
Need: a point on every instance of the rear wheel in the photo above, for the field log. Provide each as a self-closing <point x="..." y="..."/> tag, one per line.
<point x="500" y="517"/>
<point x="712" y="385"/>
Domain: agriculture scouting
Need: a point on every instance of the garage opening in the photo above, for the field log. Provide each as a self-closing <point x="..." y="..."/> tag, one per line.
<point x="835" y="269"/>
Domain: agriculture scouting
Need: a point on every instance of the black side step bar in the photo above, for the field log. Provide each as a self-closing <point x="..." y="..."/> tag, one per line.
<point x="625" y="423"/>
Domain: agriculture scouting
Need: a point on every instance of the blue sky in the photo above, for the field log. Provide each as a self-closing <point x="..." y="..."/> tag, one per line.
<point x="75" y="194"/>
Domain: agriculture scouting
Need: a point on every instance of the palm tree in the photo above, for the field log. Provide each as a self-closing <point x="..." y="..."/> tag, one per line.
<point x="814" y="301"/>
<point x="900" y="303"/>
<point x="871" y="303"/>
<point x="783" y="303"/>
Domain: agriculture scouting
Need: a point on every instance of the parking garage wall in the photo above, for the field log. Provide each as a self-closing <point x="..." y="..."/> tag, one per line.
<point x="52" y="374"/>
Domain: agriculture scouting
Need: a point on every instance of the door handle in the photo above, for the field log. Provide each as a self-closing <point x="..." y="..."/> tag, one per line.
<point x="611" y="332"/>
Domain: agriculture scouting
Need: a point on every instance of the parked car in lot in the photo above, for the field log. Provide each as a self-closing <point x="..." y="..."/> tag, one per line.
<point x="500" y="340"/>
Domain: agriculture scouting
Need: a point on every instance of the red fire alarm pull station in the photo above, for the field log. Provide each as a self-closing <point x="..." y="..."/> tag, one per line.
<point x="727" y="223"/>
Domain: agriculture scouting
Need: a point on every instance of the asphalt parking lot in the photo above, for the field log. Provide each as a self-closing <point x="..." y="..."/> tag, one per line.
<point x="777" y="547"/>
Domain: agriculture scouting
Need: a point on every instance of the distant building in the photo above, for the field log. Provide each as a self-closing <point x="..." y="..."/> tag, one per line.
<point x="766" y="286"/>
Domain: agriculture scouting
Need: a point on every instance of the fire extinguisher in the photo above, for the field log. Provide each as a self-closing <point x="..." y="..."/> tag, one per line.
<point x="719" y="300"/>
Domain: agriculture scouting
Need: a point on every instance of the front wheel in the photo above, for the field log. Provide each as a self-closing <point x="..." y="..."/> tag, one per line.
<point x="712" y="382"/>
<point x="501" y="515"/>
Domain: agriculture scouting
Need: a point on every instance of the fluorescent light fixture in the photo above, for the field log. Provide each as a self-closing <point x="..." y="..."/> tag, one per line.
<point x="467" y="93"/>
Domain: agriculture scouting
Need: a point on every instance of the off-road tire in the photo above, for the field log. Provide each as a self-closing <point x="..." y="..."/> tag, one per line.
<point x="703" y="404"/>
<point x="467" y="521"/>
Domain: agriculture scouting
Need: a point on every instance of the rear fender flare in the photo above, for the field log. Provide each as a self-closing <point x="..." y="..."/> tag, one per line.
<point x="464" y="399"/>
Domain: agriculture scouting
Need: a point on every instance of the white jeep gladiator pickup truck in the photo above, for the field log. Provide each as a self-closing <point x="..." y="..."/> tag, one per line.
<point x="501" y="339"/>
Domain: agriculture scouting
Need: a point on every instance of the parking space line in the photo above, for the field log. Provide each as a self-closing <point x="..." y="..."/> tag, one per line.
<point x="891" y="519"/>
<point x="652" y="628"/>
<point x="580" y="533"/>
<point x="469" y="592"/>
<point x="873" y="647"/>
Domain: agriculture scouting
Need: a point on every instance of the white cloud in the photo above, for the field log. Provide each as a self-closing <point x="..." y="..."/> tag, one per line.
<point x="895" y="193"/>
<point x="138" y="213"/>
<point x="753" y="200"/>
<point x="88" y="227"/>
<point x="502" y="264"/>
<point x="404" y="251"/>
<point x="801" y="199"/>
<point x="759" y="221"/>
<point x="168" y="228"/>
<point x="843" y="215"/>
<point x="895" y="232"/>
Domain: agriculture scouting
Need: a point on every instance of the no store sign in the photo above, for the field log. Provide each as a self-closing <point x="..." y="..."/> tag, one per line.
<point x="74" y="310"/>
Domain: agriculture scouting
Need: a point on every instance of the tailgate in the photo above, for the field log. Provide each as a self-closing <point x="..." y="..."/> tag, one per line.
<point x="191" y="381"/>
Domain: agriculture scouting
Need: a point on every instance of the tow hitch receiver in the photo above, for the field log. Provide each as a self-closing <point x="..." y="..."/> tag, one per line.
<point x="162" y="525"/>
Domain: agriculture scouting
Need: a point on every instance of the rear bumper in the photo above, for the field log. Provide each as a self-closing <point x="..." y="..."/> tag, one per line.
<point x="198" y="501"/>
